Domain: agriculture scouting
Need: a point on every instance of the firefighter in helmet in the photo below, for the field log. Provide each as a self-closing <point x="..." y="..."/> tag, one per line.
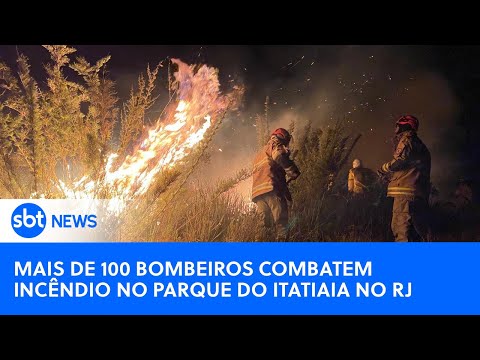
<point x="273" y="169"/>
<point x="408" y="176"/>
<point x="360" y="179"/>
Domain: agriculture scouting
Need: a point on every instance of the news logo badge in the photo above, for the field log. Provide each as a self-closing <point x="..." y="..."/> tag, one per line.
<point x="28" y="220"/>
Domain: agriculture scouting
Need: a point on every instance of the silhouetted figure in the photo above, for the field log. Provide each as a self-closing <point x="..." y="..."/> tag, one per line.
<point x="360" y="179"/>
<point x="273" y="169"/>
<point x="408" y="175"/>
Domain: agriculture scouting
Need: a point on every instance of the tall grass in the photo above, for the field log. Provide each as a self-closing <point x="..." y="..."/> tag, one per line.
<point x="68" y="123"/>
<point x="321" y="210"/>
<point x="199" y="214"/>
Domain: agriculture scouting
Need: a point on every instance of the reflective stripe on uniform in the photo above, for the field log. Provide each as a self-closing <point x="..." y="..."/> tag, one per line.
<point x="260" y="163"/>
<point x="262" y="188"/>
<point x="399" y="190"/>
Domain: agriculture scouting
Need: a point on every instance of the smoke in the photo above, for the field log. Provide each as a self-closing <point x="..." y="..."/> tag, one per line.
<point x="437" y="108"/>
<point x="365" y="87"/>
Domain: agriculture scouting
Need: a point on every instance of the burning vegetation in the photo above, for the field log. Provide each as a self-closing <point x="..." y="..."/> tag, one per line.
<point x="72" y="137"/>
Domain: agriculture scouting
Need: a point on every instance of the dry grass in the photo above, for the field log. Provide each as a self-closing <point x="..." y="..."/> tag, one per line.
<point x="43" y="130"/>
<point x="176" y="210"/>
<point x="197" y="215"/>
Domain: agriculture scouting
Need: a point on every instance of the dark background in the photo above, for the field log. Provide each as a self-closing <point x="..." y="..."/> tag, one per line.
<point x="365" y="86"/>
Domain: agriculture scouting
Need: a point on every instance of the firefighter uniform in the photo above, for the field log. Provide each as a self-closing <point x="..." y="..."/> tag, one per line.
<point x="272" y="169"/>
<point x="409" y="185"/>
<point x="360" y="180"/>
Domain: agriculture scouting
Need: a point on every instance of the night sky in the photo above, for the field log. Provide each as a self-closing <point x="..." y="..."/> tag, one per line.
<point x="366" y="86"/>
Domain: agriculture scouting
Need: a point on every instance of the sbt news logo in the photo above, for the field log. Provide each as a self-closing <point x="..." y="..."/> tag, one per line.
<point x="29" y="220"/>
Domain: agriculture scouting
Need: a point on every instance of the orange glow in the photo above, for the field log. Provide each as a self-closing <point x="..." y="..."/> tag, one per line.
<point x="166" y="144"/>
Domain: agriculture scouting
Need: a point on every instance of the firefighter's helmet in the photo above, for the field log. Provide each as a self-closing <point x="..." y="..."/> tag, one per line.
<point x="283" y="135"/>
<point x="410" y="120"/>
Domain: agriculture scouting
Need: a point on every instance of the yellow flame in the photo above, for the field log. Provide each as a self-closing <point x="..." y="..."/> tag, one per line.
<point x="164" y="147"/>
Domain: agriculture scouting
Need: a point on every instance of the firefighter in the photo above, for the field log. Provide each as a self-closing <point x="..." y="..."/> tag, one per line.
<point x="360" y="179"/>
<point x="273" y="169"/>
<point x="408" y="175"/>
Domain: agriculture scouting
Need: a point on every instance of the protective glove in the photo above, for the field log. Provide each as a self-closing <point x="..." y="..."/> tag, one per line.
<point x="383" y="175"/>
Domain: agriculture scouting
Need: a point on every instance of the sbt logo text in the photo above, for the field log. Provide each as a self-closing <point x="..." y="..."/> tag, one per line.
<point x="29" y="220"/>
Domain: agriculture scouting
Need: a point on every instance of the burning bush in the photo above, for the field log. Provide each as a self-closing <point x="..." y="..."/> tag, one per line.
<point x="57" y="141"/>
